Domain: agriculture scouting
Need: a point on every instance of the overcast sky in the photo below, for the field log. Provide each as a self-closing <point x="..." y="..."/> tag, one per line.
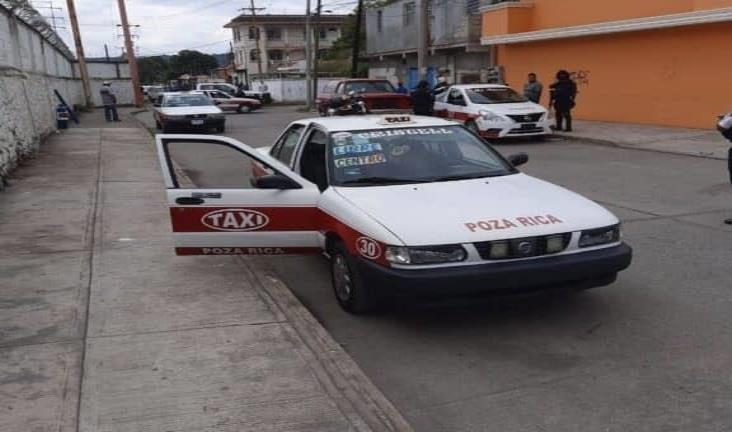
<point x="168" y="26"/>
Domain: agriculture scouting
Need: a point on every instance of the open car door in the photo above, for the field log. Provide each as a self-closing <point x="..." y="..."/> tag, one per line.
<point x="226" y="198"/>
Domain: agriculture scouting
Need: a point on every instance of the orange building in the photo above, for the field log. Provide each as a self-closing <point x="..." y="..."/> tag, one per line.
<point x="665" y="62"/>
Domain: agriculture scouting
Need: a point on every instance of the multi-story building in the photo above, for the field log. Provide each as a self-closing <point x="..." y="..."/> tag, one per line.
<point x="281" y="42"/>
<point x="454" y="47"/>
<point x="642" y="61"/>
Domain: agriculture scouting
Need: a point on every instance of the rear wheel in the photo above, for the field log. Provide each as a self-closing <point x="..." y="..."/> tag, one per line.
<point x="241" y="109"/>
<point x="350" y="291"/>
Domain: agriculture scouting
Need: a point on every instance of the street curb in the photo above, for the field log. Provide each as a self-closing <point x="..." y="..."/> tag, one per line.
<point x="347" y="385"/>
<point x="367" y="409"/>
<point x="608" y="143"/>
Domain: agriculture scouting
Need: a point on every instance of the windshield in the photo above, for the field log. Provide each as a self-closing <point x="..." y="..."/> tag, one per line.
<point x="369" y="87"/>
<point x="187" y="100"/>
<point x="411" y="155"/>
<point x="493" y="95"/>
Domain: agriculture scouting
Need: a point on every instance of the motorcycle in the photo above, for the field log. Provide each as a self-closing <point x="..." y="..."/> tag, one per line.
<point x="351" y="104"/>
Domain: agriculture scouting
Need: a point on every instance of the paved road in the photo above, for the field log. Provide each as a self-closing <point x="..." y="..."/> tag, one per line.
<point x="650" y="353"/>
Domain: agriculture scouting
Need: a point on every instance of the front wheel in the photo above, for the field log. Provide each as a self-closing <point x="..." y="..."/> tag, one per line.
<point x="472" y="127"/>
<point x="242" y="109"/>
<point x="350" y="291"/>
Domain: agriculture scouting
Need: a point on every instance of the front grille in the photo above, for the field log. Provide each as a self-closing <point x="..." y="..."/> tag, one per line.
<point x="526" y="247"/>
<point x="196" y="116"/>
<point x="519" y="131"/>
<point x="526" y="118"/>
<point x="379" y="104"/>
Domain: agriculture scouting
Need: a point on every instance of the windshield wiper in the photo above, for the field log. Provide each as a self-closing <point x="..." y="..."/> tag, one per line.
<point x="380" y="181"/>
<point x="465" y="177"/>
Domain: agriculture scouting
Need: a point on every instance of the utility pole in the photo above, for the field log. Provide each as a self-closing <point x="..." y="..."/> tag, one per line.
<point x="83" y="71"/>
<point x="308" y="56"/>
<point x="357" y="40"/>
<point x="316" y="54"/>
<point x="423" y="36"/>
<point x="131" y="59"/>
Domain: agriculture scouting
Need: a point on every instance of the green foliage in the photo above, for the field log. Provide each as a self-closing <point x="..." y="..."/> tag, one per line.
<point x="159" y="69"/>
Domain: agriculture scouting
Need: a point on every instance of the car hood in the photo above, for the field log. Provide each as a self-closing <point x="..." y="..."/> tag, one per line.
<point x="466" y="211"/>
<point x="187" y="110"/>
<point x="512" y="108"/>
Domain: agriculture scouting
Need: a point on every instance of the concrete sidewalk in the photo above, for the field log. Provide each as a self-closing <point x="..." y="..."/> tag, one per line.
<point x="103" y="328"/>
<point x="694" y="142"/>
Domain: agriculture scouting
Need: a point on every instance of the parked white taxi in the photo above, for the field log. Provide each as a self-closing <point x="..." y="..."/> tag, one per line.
<point x="401" y="205"/>
<point x="493" y="111"/>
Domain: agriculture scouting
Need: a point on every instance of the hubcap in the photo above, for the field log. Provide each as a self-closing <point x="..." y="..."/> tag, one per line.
<point x="341" y="278"/>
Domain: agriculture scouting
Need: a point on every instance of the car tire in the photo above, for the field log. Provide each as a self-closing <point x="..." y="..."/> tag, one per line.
<point x="473" y="127"/>
<point x="242" y="109"/>
<point x="352" y="294"/>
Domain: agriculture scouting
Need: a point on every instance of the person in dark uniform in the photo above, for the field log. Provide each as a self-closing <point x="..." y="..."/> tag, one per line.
<point x="563" y="93"/>
<point x="725" y="128"/>
<point x="423" y="100"/>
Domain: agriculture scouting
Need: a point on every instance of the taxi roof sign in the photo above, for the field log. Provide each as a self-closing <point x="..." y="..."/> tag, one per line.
<point x="395" y="119"/>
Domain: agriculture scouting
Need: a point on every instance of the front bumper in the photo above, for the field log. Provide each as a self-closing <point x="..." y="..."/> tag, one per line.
<point x="185" y="124"/>
<point x="581" y="270"/>
<point x="493" y="130"/>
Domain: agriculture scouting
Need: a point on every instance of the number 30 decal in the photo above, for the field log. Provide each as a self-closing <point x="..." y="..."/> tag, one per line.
<point x="368" y="248"/>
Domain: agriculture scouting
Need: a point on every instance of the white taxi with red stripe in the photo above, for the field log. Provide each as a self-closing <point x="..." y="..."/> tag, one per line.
<point x="493" y="111"/>
<point x="401" y="205"/>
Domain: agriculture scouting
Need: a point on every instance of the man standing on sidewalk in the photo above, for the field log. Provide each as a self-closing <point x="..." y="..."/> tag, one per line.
<point x="563" y="92"/>
<point x="533" y="89"/>
<point x="109" y="100"/>
<point x="725" y="127"/>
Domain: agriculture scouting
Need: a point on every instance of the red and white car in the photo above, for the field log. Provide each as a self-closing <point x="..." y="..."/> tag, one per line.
<point x="400" y="205"/>
<point x="493" y="111"/>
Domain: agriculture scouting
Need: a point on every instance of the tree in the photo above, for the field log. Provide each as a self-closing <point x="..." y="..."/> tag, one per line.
<point x="192" y="62"/>
<point x="154" y="69"/>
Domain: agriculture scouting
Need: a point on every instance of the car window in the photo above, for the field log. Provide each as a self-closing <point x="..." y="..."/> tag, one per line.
<point x="493" y="95"/>
<point x="184" y="100"/>
<point x="330" y="87"/>
<point x="313" y="159"/>
<point x="287" y="144"/>
<point x="456" y="97"/>
<point x="411" y="155"/>
<point x="369" y="87"/>
<point x="221" y="95"/>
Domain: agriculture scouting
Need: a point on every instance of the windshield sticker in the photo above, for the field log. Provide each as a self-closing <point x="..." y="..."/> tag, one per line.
<point x="360" y="160"/>
<point x="342" y="138"/>
<point x="402" y="132"/>
<point x="502" y="224"/>
<point x="356" y="148"/>
<point x="399" y="150"/>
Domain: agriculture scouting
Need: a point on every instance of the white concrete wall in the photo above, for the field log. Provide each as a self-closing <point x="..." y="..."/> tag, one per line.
<point x="116" y="73"/>
<point x="30" y="69"/>
<point x="291" y="90"/>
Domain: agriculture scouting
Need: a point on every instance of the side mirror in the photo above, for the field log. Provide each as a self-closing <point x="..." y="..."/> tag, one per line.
<point x="275" y="181"/>
<point x="518" y="159"/>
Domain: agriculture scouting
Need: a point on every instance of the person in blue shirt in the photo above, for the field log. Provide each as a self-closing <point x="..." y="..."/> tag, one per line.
<point x="401" y="89"/>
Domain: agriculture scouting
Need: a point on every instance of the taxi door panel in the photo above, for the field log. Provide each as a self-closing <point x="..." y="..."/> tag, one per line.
<point x="216" y="209"/>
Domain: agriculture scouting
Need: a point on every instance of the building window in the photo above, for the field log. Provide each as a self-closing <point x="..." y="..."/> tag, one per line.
<point x="253" y="33"/>
<point x="379" y="21"/>
<point x="276" y="55"/>
<point x="274" y="34"/>
<point x="254" y="55"/>
<point x="236" y="34"/>
<point x="322" y="34"/>
<point x="408" y="13"/>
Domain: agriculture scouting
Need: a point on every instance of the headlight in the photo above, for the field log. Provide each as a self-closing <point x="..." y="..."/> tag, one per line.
<point x="491" y="117"/>
<point x="425" y="254"/>
<point x="600" y="236"/>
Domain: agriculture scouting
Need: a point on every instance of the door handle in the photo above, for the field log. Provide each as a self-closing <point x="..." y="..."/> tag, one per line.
<point x="189" y="201"/>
